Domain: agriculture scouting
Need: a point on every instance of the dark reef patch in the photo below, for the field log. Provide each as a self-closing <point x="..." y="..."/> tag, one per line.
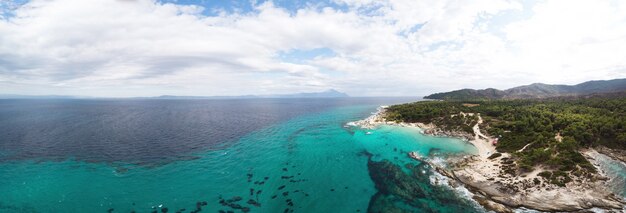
<point x="400" y="191"/>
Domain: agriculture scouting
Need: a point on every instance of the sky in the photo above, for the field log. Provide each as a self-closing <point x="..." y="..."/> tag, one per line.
<point x="128" y="48"/>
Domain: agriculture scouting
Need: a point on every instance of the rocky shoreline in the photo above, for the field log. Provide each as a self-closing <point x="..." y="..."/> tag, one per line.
<point x="515" y="191"/>
<point x="619" y="155"/>
<point x="502" y="191"/>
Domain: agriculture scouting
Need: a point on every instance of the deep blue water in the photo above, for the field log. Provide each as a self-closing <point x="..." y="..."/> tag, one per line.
<point x="143" y="131"/>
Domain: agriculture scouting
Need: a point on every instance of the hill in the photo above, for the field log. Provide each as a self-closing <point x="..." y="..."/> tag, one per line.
<point x="536" y="90"/>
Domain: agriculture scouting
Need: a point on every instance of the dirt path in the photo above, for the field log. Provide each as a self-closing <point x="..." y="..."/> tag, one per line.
<point x="482" y="144"/>
<point x="524" y="148"/>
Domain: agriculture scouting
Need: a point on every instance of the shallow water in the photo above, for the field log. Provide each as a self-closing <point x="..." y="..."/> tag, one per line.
<point x="309" y="162"/>
<point x="616" y="170"/>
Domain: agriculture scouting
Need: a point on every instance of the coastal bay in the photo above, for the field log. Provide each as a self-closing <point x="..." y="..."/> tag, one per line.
<point x="493" y="177"/>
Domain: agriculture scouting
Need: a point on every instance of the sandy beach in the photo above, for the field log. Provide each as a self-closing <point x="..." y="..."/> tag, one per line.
<point x="482" y="142"/>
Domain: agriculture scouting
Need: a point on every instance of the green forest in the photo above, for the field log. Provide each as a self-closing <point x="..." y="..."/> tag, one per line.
<point x="581" y="123"/>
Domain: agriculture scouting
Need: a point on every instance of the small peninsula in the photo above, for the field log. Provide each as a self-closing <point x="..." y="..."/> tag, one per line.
<point x="535" y="153"/>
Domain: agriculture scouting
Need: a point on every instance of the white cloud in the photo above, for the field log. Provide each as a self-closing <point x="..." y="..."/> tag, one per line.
<point x="583" y="40"/>
<point x="393" y="47"/>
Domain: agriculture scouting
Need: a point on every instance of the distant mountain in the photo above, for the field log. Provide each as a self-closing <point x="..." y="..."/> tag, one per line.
<point x="201" y="97"/>
<point x="12" y="96"/>
<point x="331" y="93"/>
<point x="536" y="90"/>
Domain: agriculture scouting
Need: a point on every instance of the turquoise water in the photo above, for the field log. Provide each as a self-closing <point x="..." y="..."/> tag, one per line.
<point x="320" y="163"/>
<point x="616" y="170"/>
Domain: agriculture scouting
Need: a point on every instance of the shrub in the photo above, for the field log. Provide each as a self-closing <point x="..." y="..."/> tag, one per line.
<point x="495" y="155"/>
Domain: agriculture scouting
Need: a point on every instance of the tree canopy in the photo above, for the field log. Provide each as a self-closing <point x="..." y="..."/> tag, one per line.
<point x="554" y="129"/>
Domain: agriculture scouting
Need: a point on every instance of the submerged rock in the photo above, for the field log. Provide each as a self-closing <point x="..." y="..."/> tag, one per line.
<point x="235" y="206"/>
<point x="254" y="203"/>
<point x="496" y="207"/>
<point x="390" y="179"/>
<point x="364" y="153"/>
<point x="400" y="191"/>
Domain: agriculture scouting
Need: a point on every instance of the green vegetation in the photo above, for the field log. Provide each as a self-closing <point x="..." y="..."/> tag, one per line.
<point x="443" y="114"/>
<point x="580" y="123"/>
<point x="464" y="94"/>
<point x="495" y="155"/>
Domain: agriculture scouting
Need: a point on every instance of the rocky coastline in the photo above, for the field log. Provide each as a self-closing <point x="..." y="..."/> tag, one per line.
<point x="619" y="155"/>
<point x="500" y="190"/>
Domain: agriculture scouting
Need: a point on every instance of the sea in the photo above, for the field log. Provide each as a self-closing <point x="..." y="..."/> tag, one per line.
<point x="231" y="155"/>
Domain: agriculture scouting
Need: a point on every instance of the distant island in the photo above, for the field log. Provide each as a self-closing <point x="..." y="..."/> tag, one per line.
<point x="331" y="93"/>
<point x="537" y="144"/>
<point x="536" y="90"/>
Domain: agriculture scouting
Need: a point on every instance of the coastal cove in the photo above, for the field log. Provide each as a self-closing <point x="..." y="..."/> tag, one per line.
<point x="309" y="163"/>
<point x="492" y="174"/>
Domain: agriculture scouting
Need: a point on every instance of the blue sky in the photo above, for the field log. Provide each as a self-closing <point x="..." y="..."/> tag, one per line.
<point x="121" y="48"/>
<point x="214" y="6"/>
